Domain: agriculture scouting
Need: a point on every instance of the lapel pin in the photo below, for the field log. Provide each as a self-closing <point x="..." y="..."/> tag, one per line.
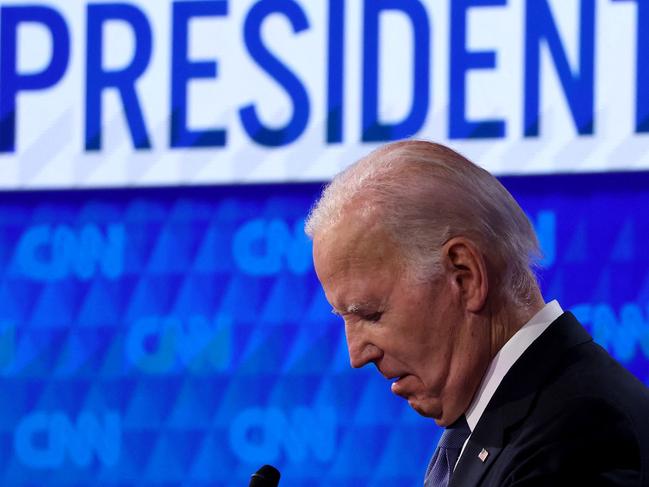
<point x="483" y="455"/>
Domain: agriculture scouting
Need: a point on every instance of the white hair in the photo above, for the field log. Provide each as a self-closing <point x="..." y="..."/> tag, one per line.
<point x="425" y="194"/>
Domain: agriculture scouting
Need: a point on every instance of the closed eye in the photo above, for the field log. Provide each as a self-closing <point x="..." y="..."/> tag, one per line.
<point x="373" y="317"/>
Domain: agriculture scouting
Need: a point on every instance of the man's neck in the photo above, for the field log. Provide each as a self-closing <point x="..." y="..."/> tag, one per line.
<point x="508" y="318"/>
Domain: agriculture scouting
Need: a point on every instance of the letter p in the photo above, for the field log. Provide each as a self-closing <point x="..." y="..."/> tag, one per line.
<point x="11" y="81"/>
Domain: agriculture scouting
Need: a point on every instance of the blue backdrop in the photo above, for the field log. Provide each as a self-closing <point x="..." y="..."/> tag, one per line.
<point x="178" y="336"/>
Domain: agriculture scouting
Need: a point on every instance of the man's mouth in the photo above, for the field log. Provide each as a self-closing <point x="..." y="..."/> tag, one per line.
<point x="397" y="378"/>
<point x="399" y="386"/>
<point x="394" y="377"/>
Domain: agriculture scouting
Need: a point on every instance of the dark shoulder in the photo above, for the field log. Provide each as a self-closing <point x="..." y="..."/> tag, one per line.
<point x="589" y="423"/>
<point x="587" y="374"/>
<point x="583" y="441"/>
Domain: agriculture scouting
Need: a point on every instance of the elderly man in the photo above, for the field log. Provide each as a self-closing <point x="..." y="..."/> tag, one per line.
<point x="428" y="258"/>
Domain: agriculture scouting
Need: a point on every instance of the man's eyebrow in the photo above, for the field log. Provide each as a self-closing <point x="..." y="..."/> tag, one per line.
<point x="354" y="309"/>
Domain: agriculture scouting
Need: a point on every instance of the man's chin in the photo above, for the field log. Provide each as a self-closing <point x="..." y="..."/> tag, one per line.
<point x="425" y="408"/>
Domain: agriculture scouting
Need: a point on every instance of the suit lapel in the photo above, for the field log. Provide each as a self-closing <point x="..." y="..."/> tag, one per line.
<point x="513" y="398"/>
<point x="471" y="467"/>
<point x="484" y="446"/>
<point x="489" y="439"/>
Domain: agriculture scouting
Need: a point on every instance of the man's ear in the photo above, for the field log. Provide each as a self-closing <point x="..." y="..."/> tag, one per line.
<point x="468" y="269"/>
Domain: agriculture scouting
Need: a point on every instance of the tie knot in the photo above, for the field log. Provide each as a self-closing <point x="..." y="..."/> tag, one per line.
<point x="455" y="434"/>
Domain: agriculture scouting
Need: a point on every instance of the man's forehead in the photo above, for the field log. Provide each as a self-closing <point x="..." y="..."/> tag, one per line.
<point x="354" y="242"/>
<point x="355" y="263"/>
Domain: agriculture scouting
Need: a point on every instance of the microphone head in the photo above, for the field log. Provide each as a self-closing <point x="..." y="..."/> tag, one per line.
<point x="266" y="476"/>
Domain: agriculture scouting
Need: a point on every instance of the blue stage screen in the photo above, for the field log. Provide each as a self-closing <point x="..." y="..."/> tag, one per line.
<point x="179" y="336"/>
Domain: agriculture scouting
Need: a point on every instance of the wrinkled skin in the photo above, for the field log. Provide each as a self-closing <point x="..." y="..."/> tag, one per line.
<point x="433" y="336"/>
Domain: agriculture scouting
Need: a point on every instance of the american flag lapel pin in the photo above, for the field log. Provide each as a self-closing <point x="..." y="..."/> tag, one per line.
<point x="483" y="455"/>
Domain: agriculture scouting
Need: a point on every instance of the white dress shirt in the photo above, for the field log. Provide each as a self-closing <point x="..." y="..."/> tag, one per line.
<point x="505" y="358"/>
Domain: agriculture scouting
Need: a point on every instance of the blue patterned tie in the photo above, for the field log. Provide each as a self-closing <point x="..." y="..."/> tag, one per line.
<point x="448" y="450"/>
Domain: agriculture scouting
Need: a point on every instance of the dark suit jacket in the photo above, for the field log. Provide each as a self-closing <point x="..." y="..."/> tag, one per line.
<point x="566" y="413"/>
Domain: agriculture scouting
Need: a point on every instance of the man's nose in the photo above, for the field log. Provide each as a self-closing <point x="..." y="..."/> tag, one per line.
<point x="361" y="350"/>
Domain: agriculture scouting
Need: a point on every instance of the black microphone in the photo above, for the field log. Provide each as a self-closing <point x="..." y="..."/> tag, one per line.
<point x="266" y="476"/>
